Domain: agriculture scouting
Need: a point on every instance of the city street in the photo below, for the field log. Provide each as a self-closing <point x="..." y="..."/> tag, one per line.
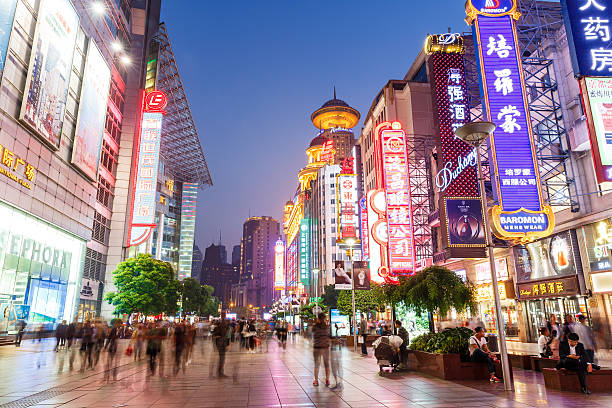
<point x="30" y="378"/>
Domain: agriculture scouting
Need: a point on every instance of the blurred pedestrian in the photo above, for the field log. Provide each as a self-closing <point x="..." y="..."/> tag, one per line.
<point x="336" y="361"/>
<point x="20" y="326"/>
<point x="111" y="346"/>
<point x="586" y="336"/>
<point x="363" y="332"/>
<point x="403" y="349"/>
<point x="321" y="339"/>
<point x="221" y="342"/>
<point x="70" y="333"/>
<point x="60" y="335"/>
<point x="87" y="344"/>
<point x="179" y="347"/>
<point x="153" y="337"/>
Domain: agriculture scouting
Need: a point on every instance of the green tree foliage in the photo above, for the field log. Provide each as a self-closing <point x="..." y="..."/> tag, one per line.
<point x="330" y="296"/>
<point x="366" y="301"/>
<point x="435" y="289"/>
<point x="307" y="313"/>
<point x="198" y="298"/>
<point x="453" y="340"/>
<point x="144" y="285"/>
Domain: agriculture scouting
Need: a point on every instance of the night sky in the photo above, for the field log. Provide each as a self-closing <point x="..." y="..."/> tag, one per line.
<point x="254" y="71"/>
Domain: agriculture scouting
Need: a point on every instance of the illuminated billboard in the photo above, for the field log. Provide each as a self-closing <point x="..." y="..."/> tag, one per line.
<point x="587" y="23"/>
<point x="597" y="99"/>
<point x="145" y="171"/>
<point x="46" y="90"/>
<point x="305" y="251"/>
<point x="279" y="265"/>
<point x="92" y="112"/>
<point x="394" y="160"/>
<point x="348" y="217"/>
<point x="363" y="231"/>
<point x="457" y="179"/>
<point x="521" y="214"/>
<point x="7" y="15"/>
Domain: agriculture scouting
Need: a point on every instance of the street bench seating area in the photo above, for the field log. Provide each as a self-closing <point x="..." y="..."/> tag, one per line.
<point x="597" y="381"/>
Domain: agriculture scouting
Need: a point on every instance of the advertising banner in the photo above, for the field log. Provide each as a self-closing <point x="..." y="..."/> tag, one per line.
<point x="557" y="255"/>
<point x="92" y="112"/>
<point x="587" y="23"/>
<point x="44" y="100"/>
<point x="7" y="15"/>
<point x="520" y="214"/>
<point x="342" y="277"/>
<point x="89" y="289"/>
<point x="556" y="287"/>
<point x="363" y="230"/>
<point x="339" y="323"/>
<point x="398" y="206"/>
<point x="597" y="100"/>
<point x="598" y="238"/>
<point x="145" y="172"/>
<point x="362" y="275"/>
<point x="464" y="222"/>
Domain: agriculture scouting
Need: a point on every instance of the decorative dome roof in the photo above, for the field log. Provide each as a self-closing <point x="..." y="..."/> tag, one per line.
<point x="318" y="141"/>
<point x="290" y="203"/>
<point x="335" y="102"/>
<point x="335" y="113"/>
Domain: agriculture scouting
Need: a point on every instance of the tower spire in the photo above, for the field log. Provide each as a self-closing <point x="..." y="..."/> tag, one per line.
<point x="334" y="91"/>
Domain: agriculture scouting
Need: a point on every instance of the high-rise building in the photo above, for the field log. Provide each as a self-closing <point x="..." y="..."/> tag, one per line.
<point x="218" y="273"/>
<point x="236" y="255"/>
<point x="196" y="263"/>
<point x="161" y="163"/>
<point x="259" y="235"/>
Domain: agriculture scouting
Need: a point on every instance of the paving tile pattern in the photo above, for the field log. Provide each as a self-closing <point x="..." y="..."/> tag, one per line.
<point x="36" y="376"/>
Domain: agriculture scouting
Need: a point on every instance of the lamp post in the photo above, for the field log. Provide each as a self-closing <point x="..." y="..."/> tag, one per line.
<point x="350" y="243"/>
<point x="316" y="274"/>
<point x="474" y="133"/>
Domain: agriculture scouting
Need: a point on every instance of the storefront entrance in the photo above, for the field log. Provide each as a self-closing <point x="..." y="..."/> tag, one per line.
<point x="540" y="310"/>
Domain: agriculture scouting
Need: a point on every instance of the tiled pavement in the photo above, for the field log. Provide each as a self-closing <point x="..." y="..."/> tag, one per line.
<point x="30" y="377"/>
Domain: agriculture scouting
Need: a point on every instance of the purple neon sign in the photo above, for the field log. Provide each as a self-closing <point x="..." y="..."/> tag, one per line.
<point x="517" y="182"/>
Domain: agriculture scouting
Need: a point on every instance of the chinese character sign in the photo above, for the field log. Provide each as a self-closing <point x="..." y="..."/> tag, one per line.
<point x="348" y="216"/>
<point x="145" y="175"/>
<point x="365" y="239"/>
<point x="458" y="173"/>
<point x="279" y="265"/>
<point x="520" y="214"/>
<point x="305" y="251"/>
<point x="399" y="211"/>
<point x="597" y="99"/>
<point x="588" y="24"/>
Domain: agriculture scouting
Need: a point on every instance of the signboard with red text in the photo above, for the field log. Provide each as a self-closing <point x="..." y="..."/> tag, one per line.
<point x="348" y="221"/>
<point x="399" y="212"/>
<point x="142" y="219"/>
<point x="279" y="265"/>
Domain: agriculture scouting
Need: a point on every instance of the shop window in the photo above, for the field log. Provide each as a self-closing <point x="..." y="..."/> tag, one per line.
<point x="94" y="265"/>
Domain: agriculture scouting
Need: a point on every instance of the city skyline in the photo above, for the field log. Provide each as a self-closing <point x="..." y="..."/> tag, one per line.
<point x="266" y="70"/>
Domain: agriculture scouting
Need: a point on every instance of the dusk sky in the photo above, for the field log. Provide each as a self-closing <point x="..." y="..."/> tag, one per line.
<point x="254" y="71"/>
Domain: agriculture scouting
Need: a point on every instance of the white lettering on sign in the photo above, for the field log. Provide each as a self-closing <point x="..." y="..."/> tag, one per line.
<point x="447" y="175"/>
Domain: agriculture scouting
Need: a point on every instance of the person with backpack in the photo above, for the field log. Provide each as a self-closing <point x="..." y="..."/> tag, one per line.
<point x="479" y="352"/>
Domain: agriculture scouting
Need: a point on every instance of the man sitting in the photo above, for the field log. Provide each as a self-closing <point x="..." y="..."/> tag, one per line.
<point x="573" y="357"/>
<point x="479" y="352"/>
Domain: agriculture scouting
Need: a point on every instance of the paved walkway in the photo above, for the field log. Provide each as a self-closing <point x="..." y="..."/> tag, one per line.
<point x="35" y="376"/>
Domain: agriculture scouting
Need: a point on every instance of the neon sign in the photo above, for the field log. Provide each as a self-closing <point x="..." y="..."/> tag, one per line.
<point x="279" y="265"/>
<point x="305" y="251"/>
<point x="587" y="23"/>
<point x="398" y="207"/>
<point x="327" y="151"/>
<point x="520" y="214"/>
<point x="144" y="185"/>
<point x="365" y="241"/>
<point x="348" y="218"/>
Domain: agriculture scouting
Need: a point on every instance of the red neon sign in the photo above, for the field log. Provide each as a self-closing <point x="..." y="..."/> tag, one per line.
<point x="155" y="101"/>
<point x="396" y="181"/>
<point x="327" y="151"/>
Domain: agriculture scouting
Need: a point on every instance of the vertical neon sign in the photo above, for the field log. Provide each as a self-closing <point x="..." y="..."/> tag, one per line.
<point x="394" y="163"/>
<point x="521" y="214"/>
<point x="144" y="185"/>
<point x="279" y="265"/>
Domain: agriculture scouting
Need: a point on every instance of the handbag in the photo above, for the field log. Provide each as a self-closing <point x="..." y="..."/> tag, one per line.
<point x="129" y="351"/>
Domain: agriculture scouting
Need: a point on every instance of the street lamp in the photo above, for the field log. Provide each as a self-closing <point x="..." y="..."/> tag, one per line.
<point x="474" y="133"/>
<point x="350" y="242"/>
<point x="316" y="273"/>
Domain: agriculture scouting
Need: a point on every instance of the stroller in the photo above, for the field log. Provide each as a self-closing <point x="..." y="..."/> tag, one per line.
<point x="386" y="351"/>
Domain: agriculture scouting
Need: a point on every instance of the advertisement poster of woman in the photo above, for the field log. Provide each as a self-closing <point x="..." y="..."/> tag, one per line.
<point x="342" y="277"/>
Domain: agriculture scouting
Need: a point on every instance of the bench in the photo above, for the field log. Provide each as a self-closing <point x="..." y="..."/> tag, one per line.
<point x="538" y="363"/>
<point x="521" y="360"/>
<point x="597" y="381"/>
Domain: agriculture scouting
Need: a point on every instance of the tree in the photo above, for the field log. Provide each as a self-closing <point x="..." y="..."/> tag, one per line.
<point x="307" y="311"/>
<point x="366" y="301"/>
<point x="330" y="296"/>
<point x="435" y="289"/>
<point x="144" y="285"/>
<point x="194" y="296"/>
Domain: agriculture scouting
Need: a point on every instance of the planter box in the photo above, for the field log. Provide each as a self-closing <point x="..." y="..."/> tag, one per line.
<point x="450" y="366"/>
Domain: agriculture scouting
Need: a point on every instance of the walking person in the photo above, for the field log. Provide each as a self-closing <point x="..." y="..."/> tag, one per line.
<point x="321" y="336"/>
<point x="70" y="333"/>
<point x="60" y="335"/>
<point x="21" y="325"/>
<point x="586" y="337"/>
<point x="179" y="347"/>
<point x="111" y="346"/>
<point x="336" y="361"/>
<point x="221" y="342"/>
<point x="363" y="332"/>
<point x="567" y="328"/>
<point x="153" y="347"/>
<point x="552" y="325"/>
<point x="87" y="343"/>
